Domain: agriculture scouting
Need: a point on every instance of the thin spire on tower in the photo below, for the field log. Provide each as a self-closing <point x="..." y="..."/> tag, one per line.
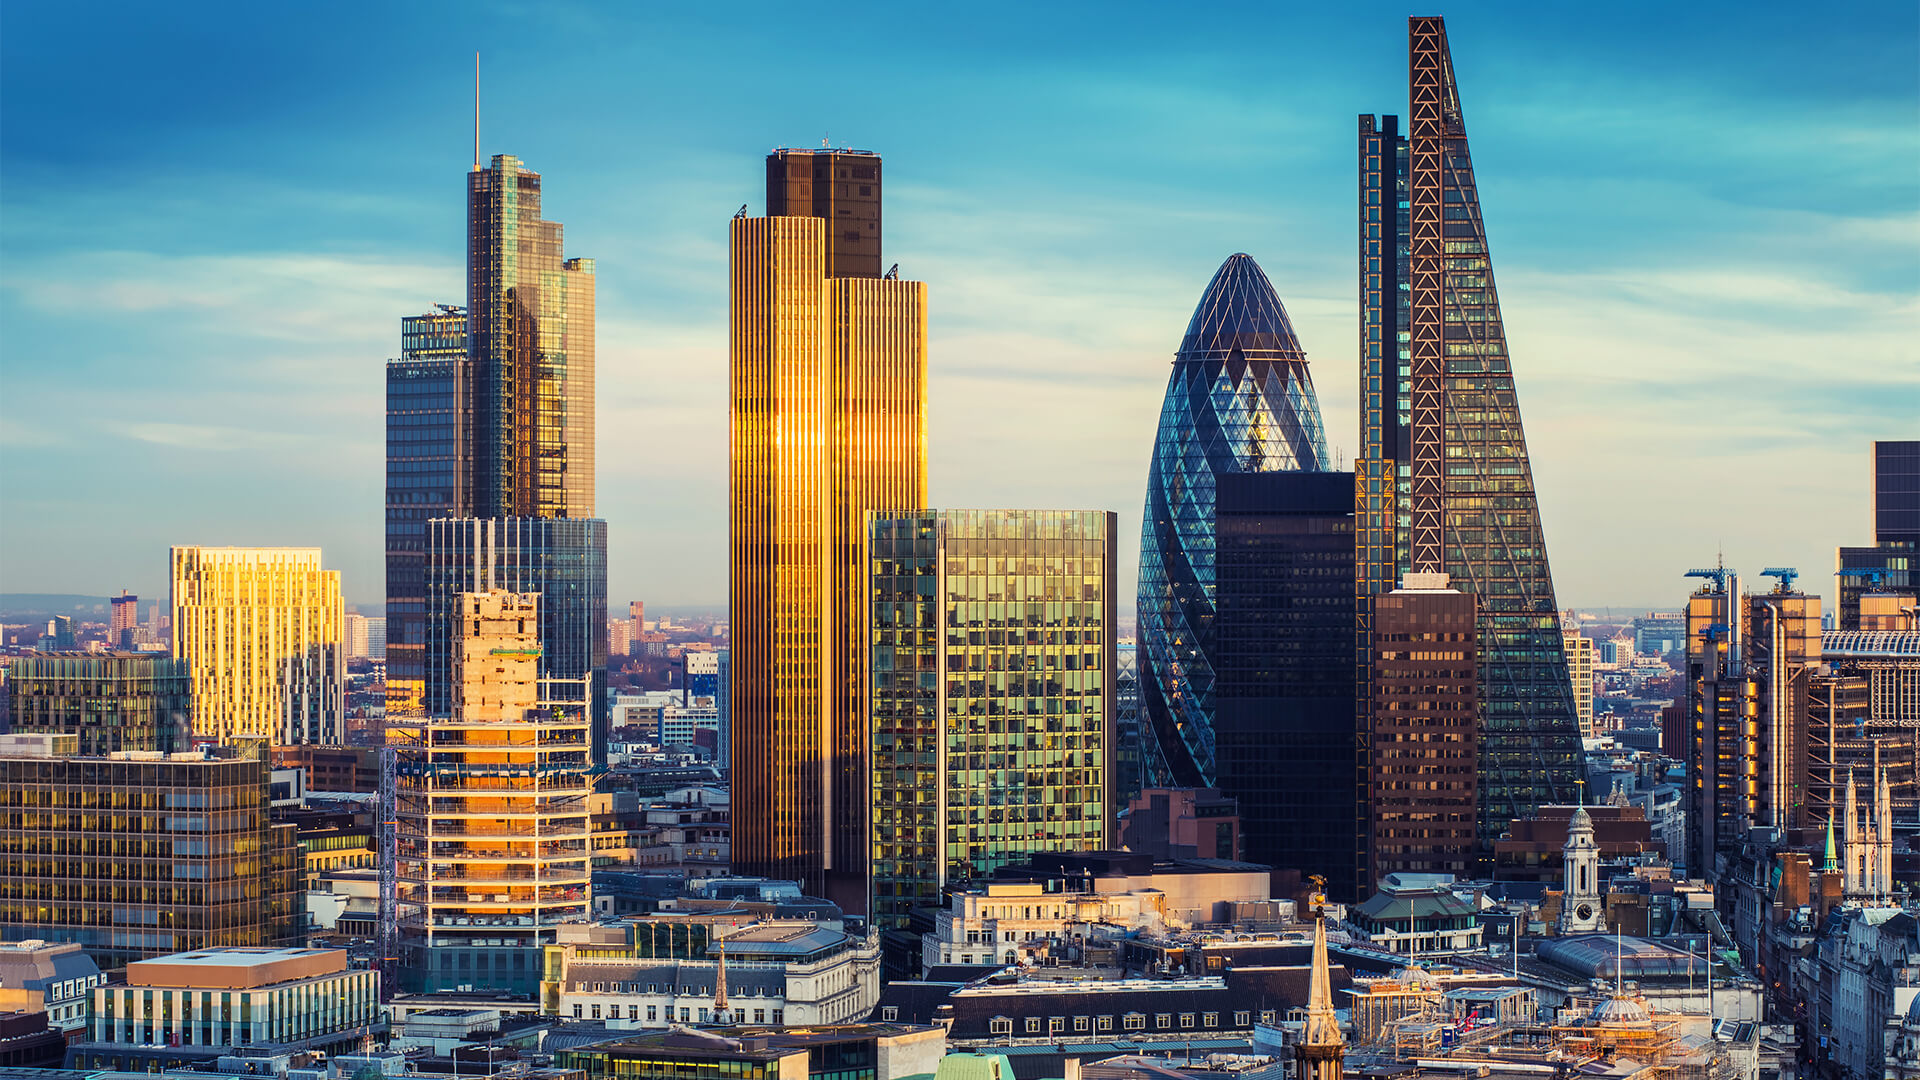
<point x="1322" y="1044"/>
<point x="476" y="112"/>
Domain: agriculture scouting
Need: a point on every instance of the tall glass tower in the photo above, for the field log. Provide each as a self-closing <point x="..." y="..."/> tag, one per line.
<point x="826" y="424"/>
<point x="1239" y="401"/>
<point x="1444" y="484"/>
<point x="423" y="483"/>
<point x="992" y="696"/>
<point x="528" y="405"/>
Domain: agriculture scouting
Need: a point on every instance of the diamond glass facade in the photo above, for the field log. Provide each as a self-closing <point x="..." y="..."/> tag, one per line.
<point x="1443" y="481"/>
<point x="1239" y="400"/>
<point x="992" y="694"/>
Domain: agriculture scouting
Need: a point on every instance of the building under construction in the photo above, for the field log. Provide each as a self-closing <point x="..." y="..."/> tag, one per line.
<point x="489" y="813"/>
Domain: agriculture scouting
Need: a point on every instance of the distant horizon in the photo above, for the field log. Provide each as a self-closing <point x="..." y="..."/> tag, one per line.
<point x="11" y="604"/>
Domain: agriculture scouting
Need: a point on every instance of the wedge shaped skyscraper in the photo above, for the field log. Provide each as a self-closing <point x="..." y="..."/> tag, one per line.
<point x="1445" y="484"/>
<point x="1239" y="404"/>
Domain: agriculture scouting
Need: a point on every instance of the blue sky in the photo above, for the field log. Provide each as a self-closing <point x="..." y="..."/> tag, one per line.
<point x="1705" y="223"/>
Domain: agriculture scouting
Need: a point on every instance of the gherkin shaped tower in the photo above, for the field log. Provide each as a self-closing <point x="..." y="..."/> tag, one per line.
<point x="1239" y="401"/>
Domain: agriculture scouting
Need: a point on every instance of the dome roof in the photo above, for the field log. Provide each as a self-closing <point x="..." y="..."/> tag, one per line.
<point x="1620" y="1009"/>
<point x="1240" y="311"/>
<point x="1419" y="976"/>
<point x="1913" y="1011"/>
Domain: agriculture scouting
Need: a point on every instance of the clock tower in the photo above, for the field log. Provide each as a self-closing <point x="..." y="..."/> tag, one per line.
<point x="1581" y="908"/>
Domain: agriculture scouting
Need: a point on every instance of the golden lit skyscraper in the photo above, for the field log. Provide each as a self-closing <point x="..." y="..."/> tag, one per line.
<point x="827" y="387"/>
<point x="528" y="403"/>
<point x="261" y="630"/>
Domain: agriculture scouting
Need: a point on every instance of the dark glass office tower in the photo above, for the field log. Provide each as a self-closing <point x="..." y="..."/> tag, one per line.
<point x="529" y="401"/>
<point x="565" y="562"/>
<point x="423" y="482"/>
<point x="1444" y="481"/>
<point x="1888" y="568"/>
<point x="1283" y="681"/>
<point x="842" y="186"/>
<point x="1239" y="400"/>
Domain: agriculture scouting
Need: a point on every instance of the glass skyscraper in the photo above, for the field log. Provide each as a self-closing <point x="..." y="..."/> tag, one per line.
<point x="826" y="423"/>
<point x="1283" y="702"/>
<point x="423" y="483"/>
<point x="1890" y="565"/>
<point x="1239" y="400"/>
<point x="562" y="560"/>
<point x="992" y="694"/>
<point x="528" y="408"/>
<point x="490" y="419"/>
<point x="1444" y="484"/>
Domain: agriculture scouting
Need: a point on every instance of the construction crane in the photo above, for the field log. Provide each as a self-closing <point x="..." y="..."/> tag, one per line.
<point x="1786" y="574"/>
<point x="1717" y="574"/>
<point x="1874" y="576"/>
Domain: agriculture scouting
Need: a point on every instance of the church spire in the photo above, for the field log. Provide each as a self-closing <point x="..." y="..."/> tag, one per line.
<point x="1833" y="856"/>
<point x="1321" y="1051"/>
<point x="1850" y="836"/>
<point x="1882" y="829"/>
<point x="720" y="980"/>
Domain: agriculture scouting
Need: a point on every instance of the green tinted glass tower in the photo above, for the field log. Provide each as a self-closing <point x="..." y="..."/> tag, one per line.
<point x="992" y="694"/>
<point x="1443" y="481"/>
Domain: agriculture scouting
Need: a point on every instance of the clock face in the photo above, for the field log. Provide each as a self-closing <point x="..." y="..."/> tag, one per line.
<point x="1585" y="911"/>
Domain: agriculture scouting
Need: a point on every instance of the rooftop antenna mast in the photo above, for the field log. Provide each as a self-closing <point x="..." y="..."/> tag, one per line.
<point x="476" y="112"/>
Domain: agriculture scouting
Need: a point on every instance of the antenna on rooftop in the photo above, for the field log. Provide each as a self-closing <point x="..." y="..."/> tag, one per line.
<point x="476" y="111"/>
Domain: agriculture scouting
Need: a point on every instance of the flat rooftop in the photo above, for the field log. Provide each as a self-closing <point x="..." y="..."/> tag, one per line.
<point x="236" y="968"/>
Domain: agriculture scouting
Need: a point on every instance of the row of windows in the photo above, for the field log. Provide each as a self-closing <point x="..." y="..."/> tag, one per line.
<point x="1054" y="1025"/>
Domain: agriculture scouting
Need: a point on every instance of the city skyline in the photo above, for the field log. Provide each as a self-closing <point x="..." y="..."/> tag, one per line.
<point x="223" y="359"/>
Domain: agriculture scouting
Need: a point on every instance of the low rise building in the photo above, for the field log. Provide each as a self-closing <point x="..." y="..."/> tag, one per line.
<point x="29" y="1045"/>
<point x="1531" y="847"/>
<point x="707" y="968"/>
<point x="197" y="1006"/>
<point x="333" y="768"/>
<point x="1088" y="1010"/>
<point x="1865" y="975"/>
<point x="687" y="830"/>
<point x="1063" y="896"/>
<point x="1418" y="913"/>
<point x="59" y="972"/>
